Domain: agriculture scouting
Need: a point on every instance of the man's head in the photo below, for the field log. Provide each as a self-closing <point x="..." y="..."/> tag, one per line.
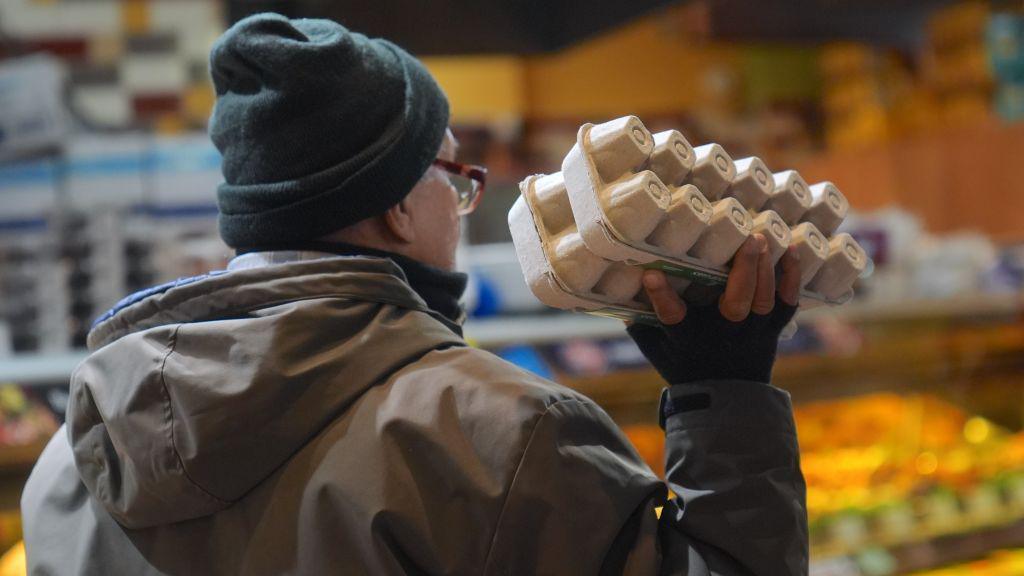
<point x="423" y="226"/>
<point x="322" y="130"/>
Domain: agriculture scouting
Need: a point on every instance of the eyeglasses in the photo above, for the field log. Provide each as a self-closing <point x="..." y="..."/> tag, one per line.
<point x="468" y="180"/>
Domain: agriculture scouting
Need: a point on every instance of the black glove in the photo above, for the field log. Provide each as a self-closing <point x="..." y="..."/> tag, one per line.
<point x="707" y="346"/>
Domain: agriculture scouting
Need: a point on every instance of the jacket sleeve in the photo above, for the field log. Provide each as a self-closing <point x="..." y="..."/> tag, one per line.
<point x="583" y="502"/>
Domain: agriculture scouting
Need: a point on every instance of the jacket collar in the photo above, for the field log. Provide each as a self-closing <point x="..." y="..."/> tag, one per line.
<point x="225" y="294"/>
<point x="440" y="289"/>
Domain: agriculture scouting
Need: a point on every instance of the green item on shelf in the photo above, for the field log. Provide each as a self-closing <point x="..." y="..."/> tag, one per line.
<point x="876" y="562"/>
<point x="12" y="399"/>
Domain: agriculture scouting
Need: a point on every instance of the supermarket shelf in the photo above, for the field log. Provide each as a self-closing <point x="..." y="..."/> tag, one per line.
<point x="37" y="369"/>
<point x="33" y="369"/>
<point x="489" y="332"/>
<point x="974" y="306"/>
<point x="16" y="463"/>
<point x="926" y="554"/>
<point x="18" y="460"/>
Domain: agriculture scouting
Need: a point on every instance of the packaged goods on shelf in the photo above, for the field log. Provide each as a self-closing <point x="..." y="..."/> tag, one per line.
<point x="65" y="258"/>
<point x="25" y="420"/>
<point x="958" y="24"/>
<point x="1010" y="101"/>
<point x="841" y="60"/>
<point x="957" y="63"/>
<point x="853" y="96"/>
<point x="627" y="200"/>
<point x="1005" y="39"/>
<point x="34" y="288"/>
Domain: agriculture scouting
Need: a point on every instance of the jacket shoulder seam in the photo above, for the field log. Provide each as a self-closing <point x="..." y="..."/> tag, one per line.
<point x="170" y="419"/>
<point x="515" y="476"/>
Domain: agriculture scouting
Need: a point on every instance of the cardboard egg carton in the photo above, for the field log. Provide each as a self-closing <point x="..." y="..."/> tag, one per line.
<point x="559" y="267"/>
<point x="627" y="200"/>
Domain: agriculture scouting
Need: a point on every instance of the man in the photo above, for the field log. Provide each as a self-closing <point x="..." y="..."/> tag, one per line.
<point x="314" y="409"/>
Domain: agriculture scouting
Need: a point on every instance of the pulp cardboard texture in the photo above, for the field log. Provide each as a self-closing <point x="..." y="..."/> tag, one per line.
<point x="812" y="247"/>
<point x="713" y="170"/>
<point x="791" y="197"/>
<point x="828" y="207"/>
<point x="775" y="231"/>
<point x="753" y="184"/>
<point x="544" y="201"/>
<point x="845" y="262"/>
<point x="627" y="200"/>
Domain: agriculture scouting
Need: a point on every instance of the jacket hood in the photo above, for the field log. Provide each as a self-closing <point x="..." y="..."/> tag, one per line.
<point x="196" y="393"/>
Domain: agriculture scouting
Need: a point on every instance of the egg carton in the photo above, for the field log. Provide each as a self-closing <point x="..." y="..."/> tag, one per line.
<point x="559" y="268"/>
<point x="627" y="200"/>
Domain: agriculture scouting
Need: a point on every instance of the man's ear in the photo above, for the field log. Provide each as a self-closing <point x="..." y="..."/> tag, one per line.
<point x="398" y="219"/>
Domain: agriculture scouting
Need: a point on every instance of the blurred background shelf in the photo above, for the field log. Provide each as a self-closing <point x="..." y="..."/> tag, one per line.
<point x="494" y="332"/>
<point x="39" y="369"/>
<point x="924" y="554"/>
<point x="910" y="398"/>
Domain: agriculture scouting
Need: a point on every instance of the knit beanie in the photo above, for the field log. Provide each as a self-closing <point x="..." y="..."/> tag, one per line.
<point x="318" y="128"/>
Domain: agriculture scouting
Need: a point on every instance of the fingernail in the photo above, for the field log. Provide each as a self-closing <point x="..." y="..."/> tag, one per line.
<point x="652" y="279"/>
<point x="753" y="246"/>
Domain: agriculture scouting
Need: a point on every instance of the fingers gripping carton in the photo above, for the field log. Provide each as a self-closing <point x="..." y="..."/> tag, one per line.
<point x="627" y="200"/>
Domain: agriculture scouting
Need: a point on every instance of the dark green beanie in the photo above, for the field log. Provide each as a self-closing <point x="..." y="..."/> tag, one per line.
<point x="318" y="127"/>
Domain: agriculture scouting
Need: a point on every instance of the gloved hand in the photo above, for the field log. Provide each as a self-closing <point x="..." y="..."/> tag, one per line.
<point x="733" y="340"/>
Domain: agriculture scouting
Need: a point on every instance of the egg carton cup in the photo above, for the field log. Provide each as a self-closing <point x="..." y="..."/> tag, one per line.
<point x="559" y="268"/>
<point x="654" y="201"/>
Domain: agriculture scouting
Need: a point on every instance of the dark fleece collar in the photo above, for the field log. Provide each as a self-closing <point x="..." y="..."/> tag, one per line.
<point x="440" y="289"/>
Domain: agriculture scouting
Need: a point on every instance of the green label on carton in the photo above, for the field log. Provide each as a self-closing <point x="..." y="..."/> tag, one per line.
<point x="688" y="273"/>
<point x="641" y="317"/>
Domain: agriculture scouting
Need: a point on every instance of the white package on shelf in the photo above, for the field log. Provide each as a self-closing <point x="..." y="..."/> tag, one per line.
<point x="108" y="171"/>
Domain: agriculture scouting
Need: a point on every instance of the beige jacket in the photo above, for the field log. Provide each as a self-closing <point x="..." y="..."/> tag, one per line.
<point x="318" y="418"/>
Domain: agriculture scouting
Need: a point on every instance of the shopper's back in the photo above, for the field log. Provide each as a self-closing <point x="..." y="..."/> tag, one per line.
<point x="309" y="418"/>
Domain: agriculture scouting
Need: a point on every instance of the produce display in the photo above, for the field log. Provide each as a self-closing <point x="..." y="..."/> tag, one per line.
<point x="24" y="420"/>
<point x="885" y="469"/>
<point x="999" y="563"/>
<point x="627" y="199"/>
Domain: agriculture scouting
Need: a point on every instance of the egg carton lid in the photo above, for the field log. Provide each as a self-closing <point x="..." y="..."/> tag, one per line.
<point x="541" y="277"/>
<point x="582" y="183"/>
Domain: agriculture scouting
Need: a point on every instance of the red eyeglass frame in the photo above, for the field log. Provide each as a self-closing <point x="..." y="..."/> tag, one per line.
<point x="477" y="174"/>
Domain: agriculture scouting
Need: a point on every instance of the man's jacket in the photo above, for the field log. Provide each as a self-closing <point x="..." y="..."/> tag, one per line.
<point x="318" y="418"/>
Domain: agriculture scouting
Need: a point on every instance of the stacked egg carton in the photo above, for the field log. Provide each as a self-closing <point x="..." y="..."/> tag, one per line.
<point x="627" y="200"/>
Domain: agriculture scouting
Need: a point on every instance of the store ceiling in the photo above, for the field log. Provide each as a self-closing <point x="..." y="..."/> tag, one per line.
<point x="889" y="22"/>
<point x="532" y="26"/>
<point x="465" y="26"/>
